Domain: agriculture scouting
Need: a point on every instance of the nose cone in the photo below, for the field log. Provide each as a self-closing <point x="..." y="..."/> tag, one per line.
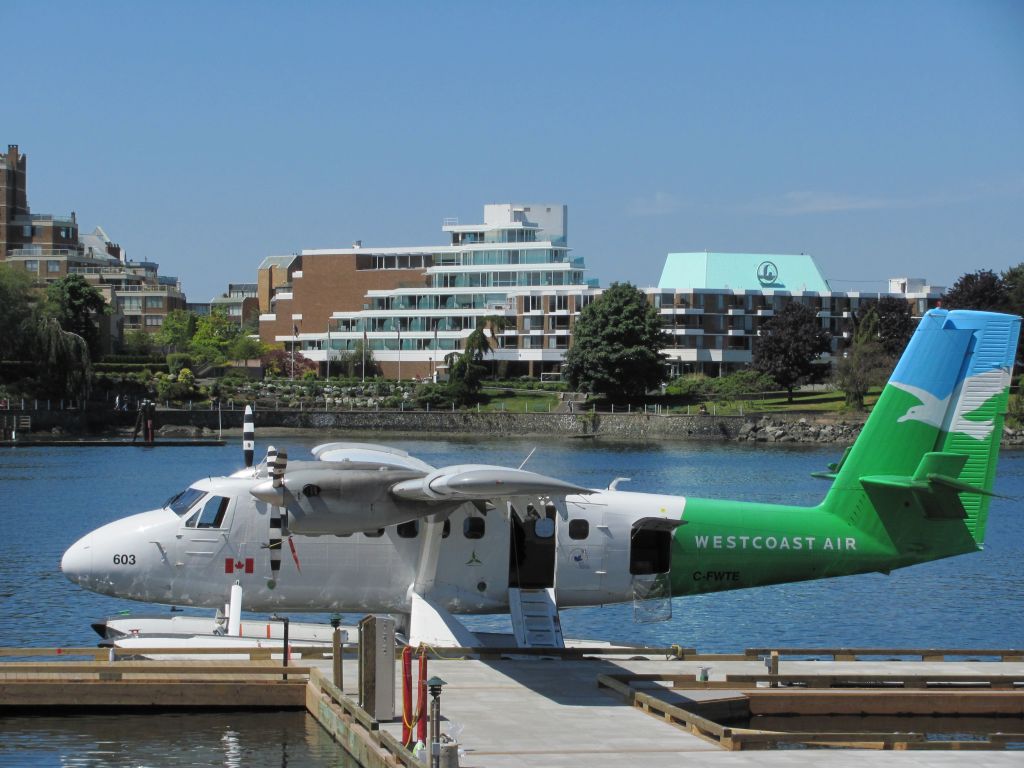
<point x="77" y="561"/>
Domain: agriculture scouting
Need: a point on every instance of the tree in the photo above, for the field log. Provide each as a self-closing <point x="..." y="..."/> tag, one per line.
<point x="212" y="339"/>
<point x="1013" y="282"/>
<point x="360" y="363"/>
<point x="280" y="362"/>
<point x="894" y="325"/>
<point x="617" y="343"/>
<point x="15" y="312"/>
<point x="177" y="330"/>
<point x="64" y="357"/>
<point x="74" y="304"/>
<point x="246" y="348"/>
<point x="788" y="344"/>
<point x="137" y="342"/>
<point x="983" y="289"/>
<point x="865" y="363"/>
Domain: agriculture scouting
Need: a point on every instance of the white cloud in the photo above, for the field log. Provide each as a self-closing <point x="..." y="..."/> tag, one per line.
<point x="658" y="204"/>
<point x="802" y="202"/>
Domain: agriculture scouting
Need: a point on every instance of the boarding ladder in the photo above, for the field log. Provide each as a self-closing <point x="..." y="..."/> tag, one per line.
<point x="535" y="620"/>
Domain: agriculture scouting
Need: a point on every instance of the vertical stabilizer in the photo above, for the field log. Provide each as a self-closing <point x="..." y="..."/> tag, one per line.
<point x="928" y="450"/>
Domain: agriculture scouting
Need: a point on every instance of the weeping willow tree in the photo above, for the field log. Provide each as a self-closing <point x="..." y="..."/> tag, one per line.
<point x="64" y="360"/>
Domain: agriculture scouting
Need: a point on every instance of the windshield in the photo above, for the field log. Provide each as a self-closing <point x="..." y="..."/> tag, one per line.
<point x="182" y="502"/>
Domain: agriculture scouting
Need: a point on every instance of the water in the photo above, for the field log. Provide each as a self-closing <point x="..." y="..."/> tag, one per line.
<point x="51" y="496"/>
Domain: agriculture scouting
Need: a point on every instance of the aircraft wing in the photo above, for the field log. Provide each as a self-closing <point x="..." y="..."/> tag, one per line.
<point x="368" y="453"/>
<point x="468" y="482"/>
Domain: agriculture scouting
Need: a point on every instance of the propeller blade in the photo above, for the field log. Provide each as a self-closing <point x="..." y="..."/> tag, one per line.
<point x="295" y="555"/>
<point x="248" y="435"/>
<point x="277" y="462"/>
<point x="276" y="470"/>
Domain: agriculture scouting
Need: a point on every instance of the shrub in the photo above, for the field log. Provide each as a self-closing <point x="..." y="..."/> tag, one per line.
<point x="178" y="360"/>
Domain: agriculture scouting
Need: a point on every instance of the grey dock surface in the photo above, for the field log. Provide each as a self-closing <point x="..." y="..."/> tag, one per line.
<point x="518" y="711"/>
<point x="541" y="712"/>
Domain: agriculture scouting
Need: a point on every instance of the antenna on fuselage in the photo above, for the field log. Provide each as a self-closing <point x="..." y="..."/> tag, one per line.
<point x="528" y="456"/>
<point x="248" y="436"/>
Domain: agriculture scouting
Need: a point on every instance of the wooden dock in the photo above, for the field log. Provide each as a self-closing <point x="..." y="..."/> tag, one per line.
<point x="587" y="707"/>
<point x="46" y="442"/>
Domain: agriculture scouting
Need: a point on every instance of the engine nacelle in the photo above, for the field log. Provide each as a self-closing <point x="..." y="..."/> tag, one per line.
<point x="328" y="501"/>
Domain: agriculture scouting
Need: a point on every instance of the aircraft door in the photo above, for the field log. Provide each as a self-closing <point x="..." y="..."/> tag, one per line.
<point x="581" y="540"/>
<point x="531" y="557"/>
<point x="650" y="563"/>
<point x="202" y="536"/>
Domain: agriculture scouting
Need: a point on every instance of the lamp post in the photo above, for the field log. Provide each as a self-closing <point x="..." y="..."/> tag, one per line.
<point x="434" y="686"/>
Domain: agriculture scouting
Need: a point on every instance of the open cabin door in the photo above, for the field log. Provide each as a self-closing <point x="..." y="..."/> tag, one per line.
<point x="531" y="557"/>
<point x="650" y="561"/>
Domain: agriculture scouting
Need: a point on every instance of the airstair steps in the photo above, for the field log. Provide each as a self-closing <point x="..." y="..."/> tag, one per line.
<point x="535" y="621"/>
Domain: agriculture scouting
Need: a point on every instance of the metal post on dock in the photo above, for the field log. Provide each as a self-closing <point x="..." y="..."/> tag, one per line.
<point x="339" y="680"/>
<point x="284" y="659"/>
<point x="772" y="662"/>
<point x="434" y="685"/>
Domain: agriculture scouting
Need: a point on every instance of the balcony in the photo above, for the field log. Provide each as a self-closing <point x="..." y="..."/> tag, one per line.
<point x="36" y="252"/>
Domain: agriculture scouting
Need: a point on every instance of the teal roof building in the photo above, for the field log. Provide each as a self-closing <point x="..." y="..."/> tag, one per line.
<point x="795" y="273"/>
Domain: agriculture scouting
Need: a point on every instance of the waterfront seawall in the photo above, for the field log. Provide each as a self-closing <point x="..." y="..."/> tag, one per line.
<point x="615" y="426"/>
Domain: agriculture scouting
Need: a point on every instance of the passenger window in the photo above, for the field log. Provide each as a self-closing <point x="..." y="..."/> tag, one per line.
<point x="408" y="530"/>
<point x="211" y="515"/>
<point x="579" y="529"/>
<point x="473" y="528"/>
<point x="374" y="534"/>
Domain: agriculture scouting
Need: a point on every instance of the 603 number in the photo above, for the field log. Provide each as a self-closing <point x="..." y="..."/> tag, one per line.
<point x="124" y="559"/>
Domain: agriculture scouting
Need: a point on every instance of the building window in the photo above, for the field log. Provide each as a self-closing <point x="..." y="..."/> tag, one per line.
<point x="52" y="266"/>
<point x="154" y="321"/>
<point x="26" y="230"/>
<point x="31" y="265"/>
<point x="154" y="302"/>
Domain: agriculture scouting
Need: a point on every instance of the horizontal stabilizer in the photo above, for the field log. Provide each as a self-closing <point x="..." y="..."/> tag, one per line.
<point x="833" y="468"/>
<point x="481" y="481"/>
<point x="933" y="490"/>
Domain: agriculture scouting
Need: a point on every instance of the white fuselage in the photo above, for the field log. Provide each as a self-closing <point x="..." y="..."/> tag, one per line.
<point x="163" y="557"/>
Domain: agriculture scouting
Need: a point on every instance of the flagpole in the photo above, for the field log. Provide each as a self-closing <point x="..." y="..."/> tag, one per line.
<point x="328" y="350"/>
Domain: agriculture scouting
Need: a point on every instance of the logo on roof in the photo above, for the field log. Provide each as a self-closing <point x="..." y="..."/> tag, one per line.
<point x="767" y="273"/>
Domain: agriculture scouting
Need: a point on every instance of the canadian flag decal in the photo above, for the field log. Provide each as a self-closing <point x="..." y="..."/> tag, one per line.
<point x="231" y="565"/>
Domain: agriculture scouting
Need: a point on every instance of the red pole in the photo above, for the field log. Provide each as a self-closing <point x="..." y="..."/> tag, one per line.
<point x="407" y="696"/>
<point x="421" y="709"/>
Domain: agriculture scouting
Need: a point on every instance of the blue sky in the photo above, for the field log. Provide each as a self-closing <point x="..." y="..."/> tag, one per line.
<point x="884" y="138"/>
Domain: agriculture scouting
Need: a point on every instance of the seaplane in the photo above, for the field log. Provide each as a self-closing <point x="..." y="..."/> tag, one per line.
<point x="365" y="528"/>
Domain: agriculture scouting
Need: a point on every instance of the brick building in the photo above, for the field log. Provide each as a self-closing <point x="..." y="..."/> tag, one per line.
<point x="49" y="247"/>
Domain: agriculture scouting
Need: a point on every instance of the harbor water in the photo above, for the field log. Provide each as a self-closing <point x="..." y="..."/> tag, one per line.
<point x="51" y="496"/>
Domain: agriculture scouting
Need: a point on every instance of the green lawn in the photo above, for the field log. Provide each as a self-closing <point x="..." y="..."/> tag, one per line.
<point x="519" y="401"/>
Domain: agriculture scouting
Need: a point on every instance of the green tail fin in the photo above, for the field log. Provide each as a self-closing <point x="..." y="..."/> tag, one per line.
<point x="921" y="472"/>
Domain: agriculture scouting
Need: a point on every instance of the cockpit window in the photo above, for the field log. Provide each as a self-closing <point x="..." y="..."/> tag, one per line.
<point x="212" y="514"/>
<point x="182" y="502"/>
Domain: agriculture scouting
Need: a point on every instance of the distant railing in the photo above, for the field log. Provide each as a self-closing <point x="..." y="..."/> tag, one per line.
<point x="69" y="219"/>
<point x="43" y="252"/>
